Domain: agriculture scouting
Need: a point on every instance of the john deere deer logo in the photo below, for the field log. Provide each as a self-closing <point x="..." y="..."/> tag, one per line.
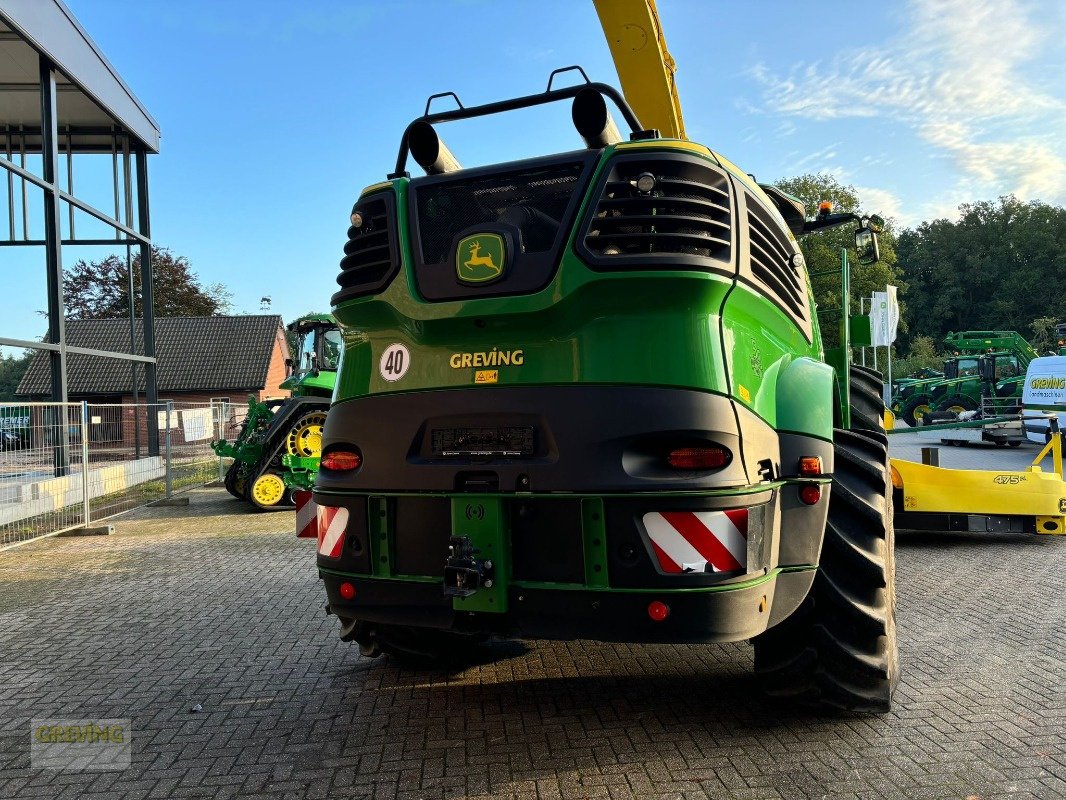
<point x="480" y="258"/>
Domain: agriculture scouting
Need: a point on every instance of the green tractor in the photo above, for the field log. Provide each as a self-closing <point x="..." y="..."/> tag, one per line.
<point x="585" y="396"/>
<point x="280" y="441"/>
<point x="962" y="387"/>
<point x="912" y="402"/>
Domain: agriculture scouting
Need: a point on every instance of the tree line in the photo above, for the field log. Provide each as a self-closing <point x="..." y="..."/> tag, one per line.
<point x="1000" y="266"/>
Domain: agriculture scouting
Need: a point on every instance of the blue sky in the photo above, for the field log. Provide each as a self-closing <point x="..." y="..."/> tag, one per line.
<point x="275" y="113"/>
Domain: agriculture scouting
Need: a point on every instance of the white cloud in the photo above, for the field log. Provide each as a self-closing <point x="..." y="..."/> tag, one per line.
<point x="955" y="76"/>
<point x="820" y="157"/>
<point x="885" y="203"/>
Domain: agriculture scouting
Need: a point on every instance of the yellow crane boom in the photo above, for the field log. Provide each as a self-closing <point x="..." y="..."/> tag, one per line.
<point x="645" y="67"/>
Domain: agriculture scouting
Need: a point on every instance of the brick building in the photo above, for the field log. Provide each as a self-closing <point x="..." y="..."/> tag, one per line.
<point x="201" y="361"/>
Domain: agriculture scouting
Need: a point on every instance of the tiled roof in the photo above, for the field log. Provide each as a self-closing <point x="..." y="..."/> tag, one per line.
<point x="194" y="354"/>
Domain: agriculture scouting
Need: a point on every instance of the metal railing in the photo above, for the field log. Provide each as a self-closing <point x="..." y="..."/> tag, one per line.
<point x="68" y="465"/>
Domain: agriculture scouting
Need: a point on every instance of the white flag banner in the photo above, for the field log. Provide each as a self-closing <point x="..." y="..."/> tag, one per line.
<point x="196" y="424"/>
<point x="884" y="317"/>
<point x="893" y="313"/>
<point x="879" y="319"/>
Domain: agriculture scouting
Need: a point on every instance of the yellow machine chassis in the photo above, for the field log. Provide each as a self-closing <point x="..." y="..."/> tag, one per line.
<point x="1028" y="493"/>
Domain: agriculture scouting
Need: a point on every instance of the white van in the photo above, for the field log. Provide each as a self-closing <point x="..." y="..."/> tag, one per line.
<point x="1045" y="391"/>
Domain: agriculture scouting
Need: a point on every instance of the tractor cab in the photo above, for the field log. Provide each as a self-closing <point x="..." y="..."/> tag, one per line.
<point x="318" y="349"/>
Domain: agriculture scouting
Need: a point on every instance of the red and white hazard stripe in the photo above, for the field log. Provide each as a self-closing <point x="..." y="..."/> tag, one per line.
<point x="332" y="522"/>
<point x="306" y="515"/>
<point x="699" y="541"/>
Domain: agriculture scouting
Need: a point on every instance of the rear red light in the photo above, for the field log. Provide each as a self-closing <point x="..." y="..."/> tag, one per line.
<point x="698" y="457"/>
<point x="810" y="493"/>
<point x="341" y="460"/>
<point x="347" y="591"/>
<point x="658" y="610"/>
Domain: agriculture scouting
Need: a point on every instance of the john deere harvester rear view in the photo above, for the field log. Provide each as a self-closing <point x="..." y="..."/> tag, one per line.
<point x="280" y="441"/>
<point x="585" y="396"/>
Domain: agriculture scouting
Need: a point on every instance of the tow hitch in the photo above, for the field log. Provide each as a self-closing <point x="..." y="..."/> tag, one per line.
<point x="464" y="574"/>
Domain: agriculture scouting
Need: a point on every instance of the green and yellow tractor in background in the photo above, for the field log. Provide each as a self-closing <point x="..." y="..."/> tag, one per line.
<point x="981" y="367"/>
<point x="280" y="441"/>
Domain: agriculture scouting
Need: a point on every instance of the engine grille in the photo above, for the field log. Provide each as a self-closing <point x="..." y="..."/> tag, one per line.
<point x="371" y="256"/>
<point x="771" y="264"/>
<point x="534" y="200"/>
<point x="687" y="213"/>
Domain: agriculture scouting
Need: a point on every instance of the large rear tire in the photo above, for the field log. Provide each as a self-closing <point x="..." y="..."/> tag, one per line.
<point x="957" y="403"/>
<point x="867" y="403"/>
<point x="915" y="410"/>
<point x="839" y="648"/>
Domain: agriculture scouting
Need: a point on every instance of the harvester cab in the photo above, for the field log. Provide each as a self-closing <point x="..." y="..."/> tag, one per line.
<point x="279" y="444"/>
<point x="585" y="396"/>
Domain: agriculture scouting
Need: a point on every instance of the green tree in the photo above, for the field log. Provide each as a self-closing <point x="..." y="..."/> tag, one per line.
<point x="999" y="266"/>
<point x="821" y="249"/>
<point x="100" y="289"/>
<point x="923" y="354"/>
<point x="1044" y="339"/>
<point x="12" y="368"/>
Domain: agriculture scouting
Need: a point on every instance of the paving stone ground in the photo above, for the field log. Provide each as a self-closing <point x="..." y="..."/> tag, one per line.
<point x="214" y="606"/>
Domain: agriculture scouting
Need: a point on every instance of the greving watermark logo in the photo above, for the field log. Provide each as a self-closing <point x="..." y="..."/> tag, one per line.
<point x="80" y="744"/>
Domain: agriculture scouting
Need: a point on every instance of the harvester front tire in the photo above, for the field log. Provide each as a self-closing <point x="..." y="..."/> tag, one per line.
<point x="839" y="650"/>
<point x="867" y="405"/>
<point x="919" y="404"/>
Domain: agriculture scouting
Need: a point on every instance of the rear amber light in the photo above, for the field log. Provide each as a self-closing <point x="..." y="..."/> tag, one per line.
<point x="698" y="457"/>
<point x="341" y="460"/>
<point x="810" y="493"/>
<point x="811" y="466"/>
<point x="658" y="610"/>
<point x="897" y="479"/>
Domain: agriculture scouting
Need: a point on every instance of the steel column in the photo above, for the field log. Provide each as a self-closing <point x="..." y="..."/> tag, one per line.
<point x="53" y="255"/>
<point x="144" y="228"/>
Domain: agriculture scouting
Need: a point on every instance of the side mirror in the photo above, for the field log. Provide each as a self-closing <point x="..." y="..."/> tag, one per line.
<point x="875" y="223"/>
<point x="866" y="245"/>
<point x="288" y="366"/>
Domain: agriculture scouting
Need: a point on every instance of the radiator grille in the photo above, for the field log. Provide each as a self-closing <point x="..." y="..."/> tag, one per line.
<point x="371" y="256"/>
<point x="771" y="262"/>
<point x="686" y="213"/>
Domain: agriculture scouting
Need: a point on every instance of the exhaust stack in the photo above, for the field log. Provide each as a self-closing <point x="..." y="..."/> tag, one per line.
<point x="430" y="151"/>
<point x="593" y="120"/>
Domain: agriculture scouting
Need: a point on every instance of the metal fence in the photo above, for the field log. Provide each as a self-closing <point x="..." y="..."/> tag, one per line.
<point x="65" y="465"/>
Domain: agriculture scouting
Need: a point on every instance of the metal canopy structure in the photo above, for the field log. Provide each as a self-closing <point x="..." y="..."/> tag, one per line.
<point x="61" y="100"/>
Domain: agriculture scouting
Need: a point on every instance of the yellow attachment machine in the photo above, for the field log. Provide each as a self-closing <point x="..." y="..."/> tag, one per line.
<point x="982" y="501"/>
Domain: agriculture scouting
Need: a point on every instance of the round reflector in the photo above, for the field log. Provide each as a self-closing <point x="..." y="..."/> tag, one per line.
<point x="810" y="493"/>
<point x="347" y="591"/>
<point x="658" y="610"/>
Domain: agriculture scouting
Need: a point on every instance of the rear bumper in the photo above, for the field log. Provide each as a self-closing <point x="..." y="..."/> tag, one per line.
<point x="583" y="531"/>
<point x="728" y="613"/>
